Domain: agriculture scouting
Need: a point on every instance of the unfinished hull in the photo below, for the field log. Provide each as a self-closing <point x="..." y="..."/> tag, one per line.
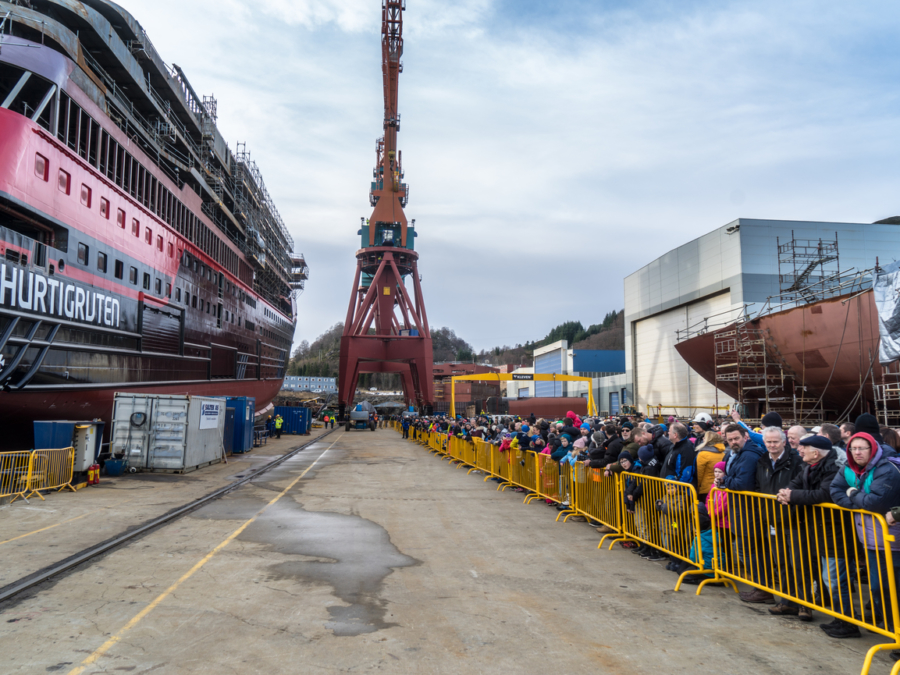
<point x="827" y="350"/>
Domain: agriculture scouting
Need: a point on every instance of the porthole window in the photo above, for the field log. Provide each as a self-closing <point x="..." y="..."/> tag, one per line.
<point x="64" y="181"/>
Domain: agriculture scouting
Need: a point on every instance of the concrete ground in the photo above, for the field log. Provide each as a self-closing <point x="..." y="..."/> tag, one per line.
<point x="366" y="553"/>
<point x="36" y="534"/>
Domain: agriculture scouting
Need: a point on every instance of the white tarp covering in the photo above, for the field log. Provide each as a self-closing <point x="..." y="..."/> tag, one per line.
<point x="887" y="301"/>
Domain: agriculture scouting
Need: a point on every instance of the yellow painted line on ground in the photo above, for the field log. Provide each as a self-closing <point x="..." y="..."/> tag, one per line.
<point x="109" y="644"/>
<point x="50" y="527"/>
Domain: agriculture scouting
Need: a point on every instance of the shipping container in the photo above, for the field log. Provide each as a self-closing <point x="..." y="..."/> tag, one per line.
<point x="168" y="433"/>
<point x="548" y="407"/>
<point x="296" y="420"/>
<point x="238" y="433"/>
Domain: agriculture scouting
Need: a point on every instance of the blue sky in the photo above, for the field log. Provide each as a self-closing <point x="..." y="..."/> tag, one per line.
<point x="551" y="148"/>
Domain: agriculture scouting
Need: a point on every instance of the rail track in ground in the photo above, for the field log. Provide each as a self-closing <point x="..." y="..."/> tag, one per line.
<point x="30" y="581"/>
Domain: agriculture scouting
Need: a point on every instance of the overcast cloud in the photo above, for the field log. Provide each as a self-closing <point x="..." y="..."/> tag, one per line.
<point x="551" y="148"/>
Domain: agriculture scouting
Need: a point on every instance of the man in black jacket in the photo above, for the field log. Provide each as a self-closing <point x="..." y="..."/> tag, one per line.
<point x="660" y="442"/>
<point x="822" y="529"/>
<point x="613" y="445"/>
<point x="774" y="472"/>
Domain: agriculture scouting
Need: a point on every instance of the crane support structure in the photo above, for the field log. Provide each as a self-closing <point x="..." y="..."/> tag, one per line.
<point x="386" y="329"/>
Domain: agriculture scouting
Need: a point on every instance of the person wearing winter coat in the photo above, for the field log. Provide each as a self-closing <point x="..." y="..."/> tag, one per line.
<point x="626" y="464"/>
<point x="822" y="529"/>
<point x="561" y="450"/>
<point x="649" y="467"/>
<point x="613" y="446"/>
<point x="660" y="442"/>
<point x="740" y="472"/>
<point x="717" y="502"/>
<point x="679" y="463"/>
<point x="710" y="452"/>
<point x="871" y="482"/>
<point x="774" y="472"/>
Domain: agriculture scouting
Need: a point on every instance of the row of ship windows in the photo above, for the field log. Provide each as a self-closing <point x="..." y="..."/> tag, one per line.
<point x="41" y="169"/>
<point x="84" y="258"/>
<point x="80" y="132"/>
<point x="64" y="183"/>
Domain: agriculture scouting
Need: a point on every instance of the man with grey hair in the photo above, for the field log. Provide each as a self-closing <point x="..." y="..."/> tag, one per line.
<point x="774" y="472"/>
<point x="794" y="434"/>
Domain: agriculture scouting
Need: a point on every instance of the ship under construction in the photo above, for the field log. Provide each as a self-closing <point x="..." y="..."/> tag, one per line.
<point x="139" y="252"/>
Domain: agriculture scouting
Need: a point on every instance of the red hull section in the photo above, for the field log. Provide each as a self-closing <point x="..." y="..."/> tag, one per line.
<point x="98" y="403"/>
<point x="829" y="348"/>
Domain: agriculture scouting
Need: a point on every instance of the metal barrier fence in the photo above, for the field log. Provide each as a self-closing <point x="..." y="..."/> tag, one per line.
<point x="597" y="497"/>
<point x="25" y="473"/>
<point x="824" y="557"/>
<point x="663" y="514"/>
<point x="51" y="470"/>
<point x="15" y="468"/>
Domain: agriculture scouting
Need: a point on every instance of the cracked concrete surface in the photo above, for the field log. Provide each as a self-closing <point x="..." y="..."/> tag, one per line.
<point x="385" y="559"/>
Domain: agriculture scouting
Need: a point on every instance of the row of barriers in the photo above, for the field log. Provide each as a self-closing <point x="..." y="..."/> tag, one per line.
<point x="26" y="473"/>
<point x="827" y="558"/>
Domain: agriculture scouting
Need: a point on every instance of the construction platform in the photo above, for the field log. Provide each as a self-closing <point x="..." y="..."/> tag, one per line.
<point x="364" y="552"/>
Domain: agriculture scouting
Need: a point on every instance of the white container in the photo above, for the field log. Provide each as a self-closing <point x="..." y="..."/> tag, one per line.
<point x="162" y="432"/>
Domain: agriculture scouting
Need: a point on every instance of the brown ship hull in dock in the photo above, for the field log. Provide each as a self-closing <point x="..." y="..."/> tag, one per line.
<point x="829" y="347"/>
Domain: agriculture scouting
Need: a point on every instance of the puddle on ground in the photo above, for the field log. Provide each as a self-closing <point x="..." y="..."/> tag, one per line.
<point x="349" y="553"/>
<point x="355" y="556"/>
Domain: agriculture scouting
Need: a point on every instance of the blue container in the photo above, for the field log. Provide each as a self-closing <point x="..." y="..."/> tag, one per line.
<point x="296" y="420"/>
<point x="115" y="467"/>
<point x="241" y="436"/>
<point x="61" y="434"/>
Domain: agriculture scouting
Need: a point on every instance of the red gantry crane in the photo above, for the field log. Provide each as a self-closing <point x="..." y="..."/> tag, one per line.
<point x="386" y="330"/>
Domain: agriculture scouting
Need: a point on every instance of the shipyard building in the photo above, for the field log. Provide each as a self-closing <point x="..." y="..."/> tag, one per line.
<point x="708" y="282"/>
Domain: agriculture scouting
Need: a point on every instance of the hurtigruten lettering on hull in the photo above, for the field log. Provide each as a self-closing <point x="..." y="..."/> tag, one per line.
<point x="34" y="292"/>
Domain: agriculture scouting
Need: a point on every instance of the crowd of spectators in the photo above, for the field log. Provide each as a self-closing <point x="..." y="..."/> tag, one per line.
<point x="853" y="465"/>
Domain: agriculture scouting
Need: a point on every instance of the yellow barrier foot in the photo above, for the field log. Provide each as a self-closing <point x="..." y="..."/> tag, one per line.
<point x="567" y="513"/>
<point x="613" y="542"/>
<point x="717" y="580"/>
<point x="33" y="494"/>
<point x="871" y="655"/>
<point x="530" y="498"/>
<point x="685" y="574"/>
<point x="503" y="486"/>
<point x="474" y="468"/>
<point x="611" y="534"/>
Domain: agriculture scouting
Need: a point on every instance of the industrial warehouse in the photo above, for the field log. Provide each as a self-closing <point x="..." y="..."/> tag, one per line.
<point x="671" y="446"/>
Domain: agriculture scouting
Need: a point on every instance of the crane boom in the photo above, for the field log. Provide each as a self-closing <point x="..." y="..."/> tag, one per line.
<point x="389" y="194"/>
